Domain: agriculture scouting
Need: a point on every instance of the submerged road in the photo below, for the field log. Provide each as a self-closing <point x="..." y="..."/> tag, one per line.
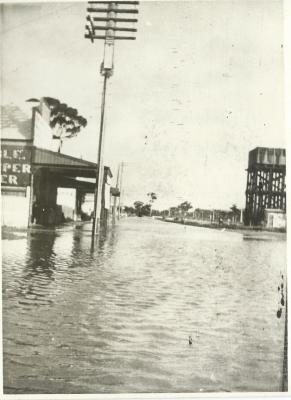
<point x="116" y="318"/>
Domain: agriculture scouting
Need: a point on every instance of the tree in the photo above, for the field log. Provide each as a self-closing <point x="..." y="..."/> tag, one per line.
<point x="64" y="121"/>
<point x="142" y="209"/>
<point x="165" y="213"/>
<point x="234" y="209"/>
<point x="129" y="210"/>
<point x="152" y="197"/>
<point x="173" y="211"/>
<point x="138" y="207"/>
<point x="235" y="212"/>
<point x="184" y="207"/>
<point x="146" y="210"/>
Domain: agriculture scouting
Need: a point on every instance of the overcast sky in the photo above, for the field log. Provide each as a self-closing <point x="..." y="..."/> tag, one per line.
<point x="200" y="87"/>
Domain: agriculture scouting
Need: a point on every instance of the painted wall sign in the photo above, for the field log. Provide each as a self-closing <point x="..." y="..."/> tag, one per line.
<point x="15" y="165"/>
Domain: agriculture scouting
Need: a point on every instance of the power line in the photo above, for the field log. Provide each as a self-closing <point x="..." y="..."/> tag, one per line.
<point x="112" y="25"/>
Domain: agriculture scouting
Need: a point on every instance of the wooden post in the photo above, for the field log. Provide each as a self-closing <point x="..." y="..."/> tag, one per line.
<point x="115" y="199"/>
<point x="120" y="189"/>
<point x="29" y="222"/>
<point x="99" y="169"/>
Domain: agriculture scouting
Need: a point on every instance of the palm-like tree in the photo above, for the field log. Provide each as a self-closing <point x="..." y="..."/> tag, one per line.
<point x="235" y="212"/>
<point x="152" y="197"/>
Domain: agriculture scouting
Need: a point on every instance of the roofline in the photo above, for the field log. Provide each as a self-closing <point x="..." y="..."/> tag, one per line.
<point x="90" y="164"/>
<point x="268" y="148"/>
<point x="28" y="142"/>
<point x="17" y="140"/>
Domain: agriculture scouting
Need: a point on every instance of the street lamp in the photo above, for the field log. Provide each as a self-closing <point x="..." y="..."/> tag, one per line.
<point x="113" y="15"/>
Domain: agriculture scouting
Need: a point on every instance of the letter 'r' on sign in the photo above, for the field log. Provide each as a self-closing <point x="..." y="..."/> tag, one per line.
<point x="26" y="168"/>
<point x="12" y="179"/>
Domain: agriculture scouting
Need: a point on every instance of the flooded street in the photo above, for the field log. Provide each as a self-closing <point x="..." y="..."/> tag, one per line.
<point x="116" y="318"/>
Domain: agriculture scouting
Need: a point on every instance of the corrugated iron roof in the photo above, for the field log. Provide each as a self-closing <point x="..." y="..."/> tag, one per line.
<point x="48" y="157"/>
<point x="73" y="166"/>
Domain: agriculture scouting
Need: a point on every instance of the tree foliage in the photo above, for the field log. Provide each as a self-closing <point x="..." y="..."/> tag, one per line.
<point x="235" y="210"/>
<point x="142" y="209"/>
<point x="185" y="206"/>
<point x="152" y="196"/>
<point x="146" y="210"/>
<point x="64" y="120"/>
<point x="129" y="210"/>
<point x="138" y="204"/>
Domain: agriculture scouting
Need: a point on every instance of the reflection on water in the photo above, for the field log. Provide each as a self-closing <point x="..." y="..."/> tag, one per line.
<point x="115" y="317"/>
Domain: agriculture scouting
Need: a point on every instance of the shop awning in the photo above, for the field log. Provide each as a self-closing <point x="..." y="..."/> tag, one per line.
<point x="67" y="165"/>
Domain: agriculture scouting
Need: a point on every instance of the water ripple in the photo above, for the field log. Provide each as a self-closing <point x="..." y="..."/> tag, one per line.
<point x="116" y="318"/>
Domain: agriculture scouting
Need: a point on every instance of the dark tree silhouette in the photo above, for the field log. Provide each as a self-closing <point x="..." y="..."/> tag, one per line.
<point x="129" y="210"/>
<point x="146" y="210"/>
<point x="152" y="197"/>
<point x="142" y="209"/>
<point x="185" y="206"/>
<point x="235" y="212"/>
<point x="64" y="120"/>
<point x="138" y="207"/>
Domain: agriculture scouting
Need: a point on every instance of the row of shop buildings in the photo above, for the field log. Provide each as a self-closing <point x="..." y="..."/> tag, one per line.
<point x="40" y="185"/>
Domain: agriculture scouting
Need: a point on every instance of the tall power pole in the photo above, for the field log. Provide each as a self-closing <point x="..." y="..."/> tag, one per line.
<point x="109" y="13"/>
<point x="115" y="199"/>
<point x="120" y="189"/>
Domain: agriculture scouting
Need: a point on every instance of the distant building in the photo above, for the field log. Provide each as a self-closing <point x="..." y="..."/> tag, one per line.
<point x="38" y="184"/>
<point x="275" y="219"/>
<point x="266" y="187"/>
<point x="215" y="216"/>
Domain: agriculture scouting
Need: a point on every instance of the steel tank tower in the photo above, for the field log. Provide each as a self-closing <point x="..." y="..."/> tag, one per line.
<point x="266" y="188"/>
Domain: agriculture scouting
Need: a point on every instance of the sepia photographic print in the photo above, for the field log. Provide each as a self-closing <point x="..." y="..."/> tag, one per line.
<point x="143" y="198"/>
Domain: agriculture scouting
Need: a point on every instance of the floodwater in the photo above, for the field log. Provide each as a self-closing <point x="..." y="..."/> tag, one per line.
<point x="116" y="318"/>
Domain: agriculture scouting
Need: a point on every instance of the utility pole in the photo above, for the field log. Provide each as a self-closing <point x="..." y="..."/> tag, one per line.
<point x="115" y="199"/>
<point x="241" y="216"/>
<point x="107" y="12"/>
<point x="120" y="189"/>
